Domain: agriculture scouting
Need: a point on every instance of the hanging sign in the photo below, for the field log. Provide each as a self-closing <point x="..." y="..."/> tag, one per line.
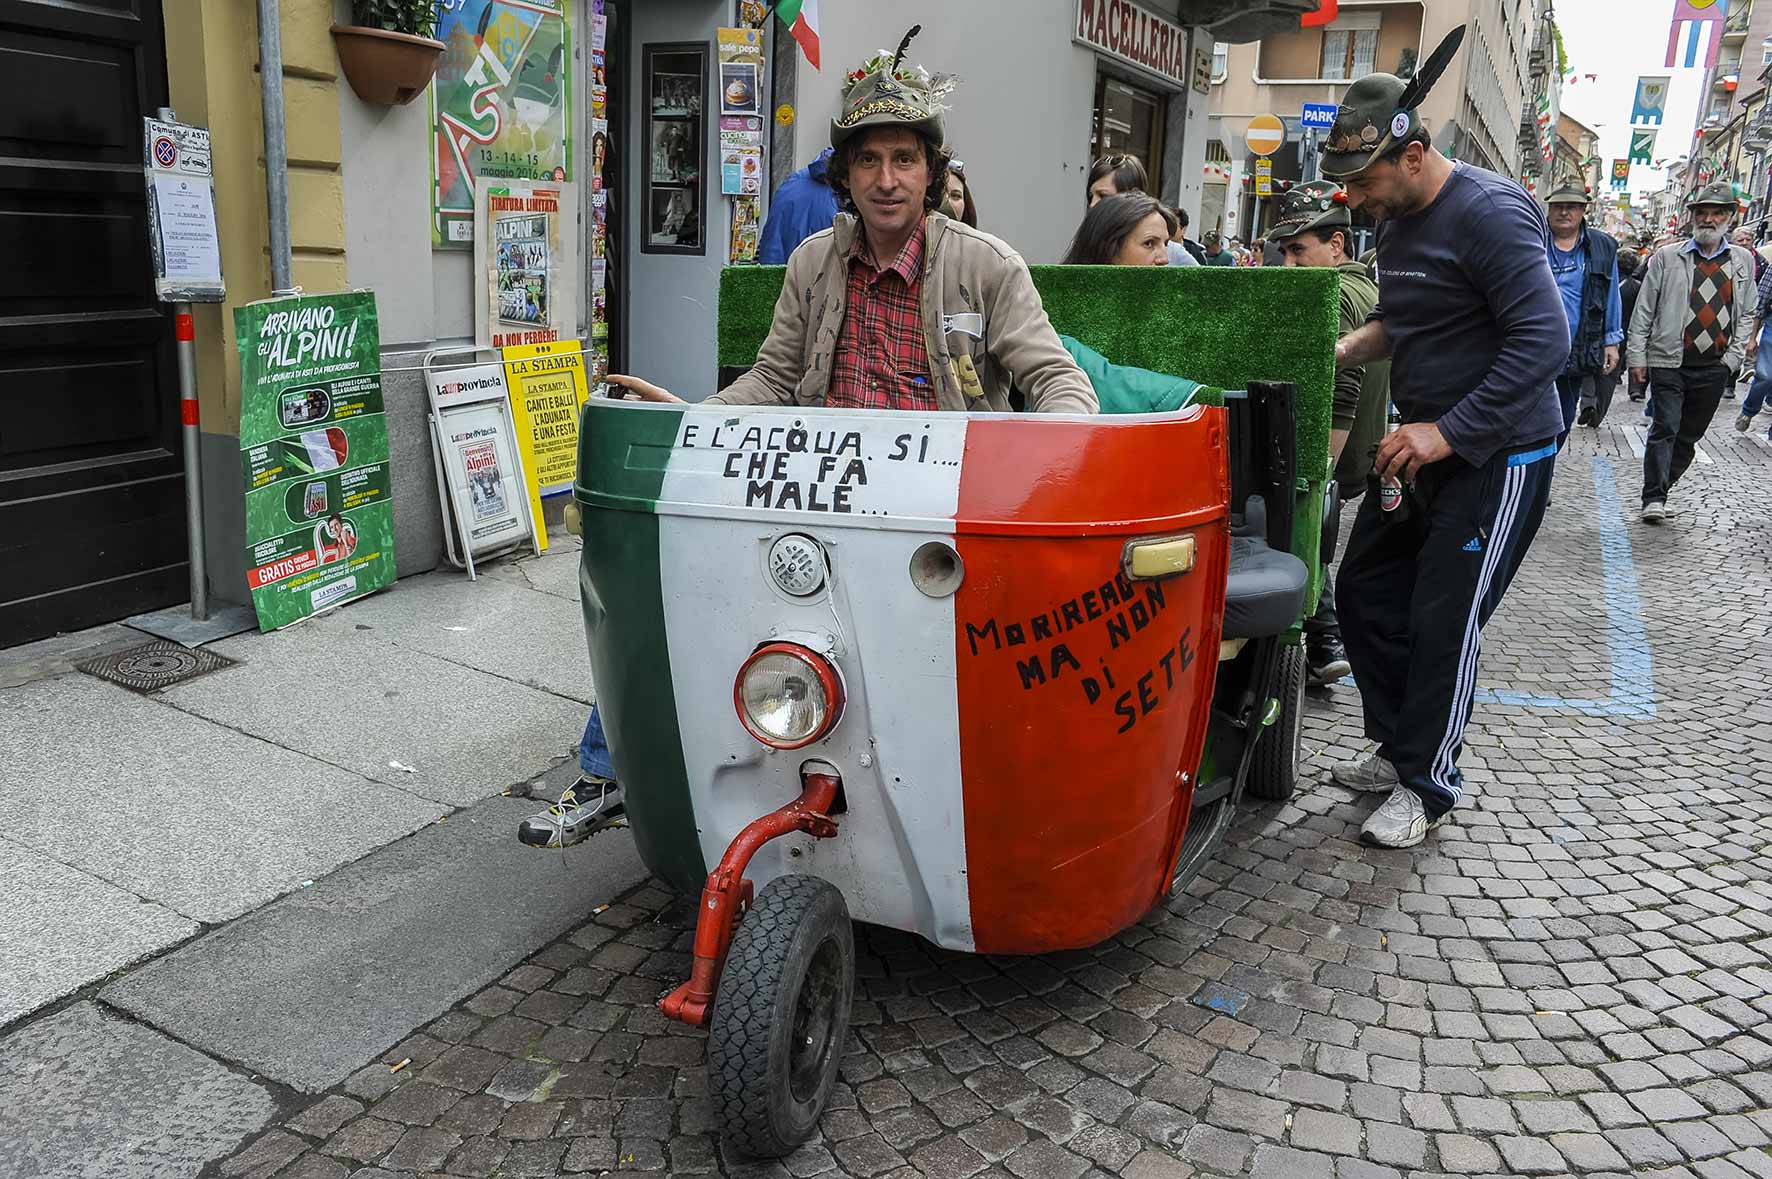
<point x="181" y="213"/>
<point x="501" y="103"/>
<point x="525" y="254"/>
<point x="313" y="454"/>
<point x="1264" y="177"/>
<point x="1651" y="101"/>
<point x="1319" y="116"/>
<point x="1642" y="145"/>
<point x="1137" y="36"/>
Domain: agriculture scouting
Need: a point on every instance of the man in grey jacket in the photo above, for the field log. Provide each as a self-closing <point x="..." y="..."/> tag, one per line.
<point x="1688" y="336"/>
<point x="896" y="306"/>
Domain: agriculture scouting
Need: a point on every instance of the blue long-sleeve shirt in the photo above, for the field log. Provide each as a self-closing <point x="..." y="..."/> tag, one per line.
<point x="801" y="207"/>
<point x="1476" y="327"/>
<point x="1569" y="268"/>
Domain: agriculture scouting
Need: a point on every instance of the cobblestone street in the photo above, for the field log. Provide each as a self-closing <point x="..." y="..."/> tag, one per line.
<point x="1569" y="977"/>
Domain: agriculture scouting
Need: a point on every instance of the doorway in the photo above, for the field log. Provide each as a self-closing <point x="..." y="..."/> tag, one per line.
<point x="1128" y="121"/>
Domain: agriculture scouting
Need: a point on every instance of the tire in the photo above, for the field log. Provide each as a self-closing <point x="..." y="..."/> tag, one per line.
<point x="781" y="1016"/>
<point x="1273" y="771"/>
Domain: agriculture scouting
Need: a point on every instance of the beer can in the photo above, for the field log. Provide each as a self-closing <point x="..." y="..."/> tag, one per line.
<point x="1390" y="493"/>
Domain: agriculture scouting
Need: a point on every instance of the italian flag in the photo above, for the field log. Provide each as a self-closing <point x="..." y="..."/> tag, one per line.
<point x="1018" y="754"/>
<point x="801" y="18"/>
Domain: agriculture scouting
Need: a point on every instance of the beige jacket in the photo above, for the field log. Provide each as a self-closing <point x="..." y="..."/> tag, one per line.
<point x="983" y="324"/>
<point x="1656" y="336"/>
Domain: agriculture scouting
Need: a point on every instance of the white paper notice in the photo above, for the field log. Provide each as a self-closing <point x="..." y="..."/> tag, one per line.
<point x="187" y="229"/>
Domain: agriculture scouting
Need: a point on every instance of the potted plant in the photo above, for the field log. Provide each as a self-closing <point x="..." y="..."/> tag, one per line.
<point x="388" y="55"/>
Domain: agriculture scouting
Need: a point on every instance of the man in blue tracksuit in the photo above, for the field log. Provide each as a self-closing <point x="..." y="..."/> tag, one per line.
<point x="804" y="205"/>
<point x="1584" y="261"/>
<point x="1471" y="318"/>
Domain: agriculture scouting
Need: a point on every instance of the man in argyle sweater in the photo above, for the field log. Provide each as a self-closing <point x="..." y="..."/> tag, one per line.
<point x="1688" y="337"/>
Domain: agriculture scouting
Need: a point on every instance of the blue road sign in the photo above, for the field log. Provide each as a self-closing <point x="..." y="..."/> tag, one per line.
<point x="1319" y="115"/>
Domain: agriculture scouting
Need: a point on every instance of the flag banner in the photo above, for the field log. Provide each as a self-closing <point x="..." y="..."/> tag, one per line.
<point x="1642" y="145"/>
<point x="1697" y="27"/>
<point x="1650" y="104"/>
<point x="1620" y="169"/>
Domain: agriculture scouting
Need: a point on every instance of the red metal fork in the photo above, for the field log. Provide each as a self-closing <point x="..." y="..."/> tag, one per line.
<point x="727" y="894"/>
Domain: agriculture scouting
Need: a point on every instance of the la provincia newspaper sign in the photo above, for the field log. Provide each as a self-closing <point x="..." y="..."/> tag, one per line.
<point x="1136" y="36"/>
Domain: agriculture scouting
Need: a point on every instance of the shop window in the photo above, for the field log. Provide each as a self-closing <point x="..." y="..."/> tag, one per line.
<point x="676" y="89"/>
<point x="1128" y="121"/>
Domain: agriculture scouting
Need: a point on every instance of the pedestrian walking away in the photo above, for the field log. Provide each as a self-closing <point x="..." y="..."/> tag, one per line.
<point x="1313" y="230"/>
<point x="1688" y="338"/>
<point x="1758" y="355"/>
<point x="1584" y="261"/>
<point x="1471" y="318"/>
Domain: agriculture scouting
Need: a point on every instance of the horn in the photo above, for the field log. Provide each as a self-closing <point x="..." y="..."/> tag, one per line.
<point x="1430" y="70"/>
<point x="905" y="44"/>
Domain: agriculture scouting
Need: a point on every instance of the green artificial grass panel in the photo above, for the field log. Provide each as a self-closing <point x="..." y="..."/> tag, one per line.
<point x="1222" y="326"/>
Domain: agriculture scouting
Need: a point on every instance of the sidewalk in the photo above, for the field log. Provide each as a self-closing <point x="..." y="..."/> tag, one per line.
<point x="132" y="824"/>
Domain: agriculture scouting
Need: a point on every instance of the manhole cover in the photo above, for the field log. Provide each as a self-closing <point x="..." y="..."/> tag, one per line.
<point x="155" y="665"/>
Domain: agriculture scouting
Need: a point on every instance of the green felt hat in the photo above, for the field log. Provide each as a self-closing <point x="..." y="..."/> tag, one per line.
<point x="1569" y="192"/>
<point x="1378" y="111"/>
<point x="883" y="92"/>
<point x="1717" y="192"/>
<point x="1318" y="204"/>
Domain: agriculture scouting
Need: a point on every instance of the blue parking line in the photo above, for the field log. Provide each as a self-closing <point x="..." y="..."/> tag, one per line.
<point x="1627" y="642"/>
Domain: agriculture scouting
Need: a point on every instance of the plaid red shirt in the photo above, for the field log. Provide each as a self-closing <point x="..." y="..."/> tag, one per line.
<point x="881" y="360"/>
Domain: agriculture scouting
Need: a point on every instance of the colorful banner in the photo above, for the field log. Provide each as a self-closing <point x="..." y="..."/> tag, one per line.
<point x="1650" y="104"/>
<point x="501" y="104"/>
<point x="1642" y="145"/>
<point x="313" y="454"/>
<point x="1620" y="175"/>
<point x="1697" y="27"/>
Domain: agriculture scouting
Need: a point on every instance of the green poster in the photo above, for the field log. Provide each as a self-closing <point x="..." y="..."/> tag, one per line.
<point x="313" y="454"/>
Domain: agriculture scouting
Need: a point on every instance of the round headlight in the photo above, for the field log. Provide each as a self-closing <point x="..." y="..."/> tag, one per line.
<point x="787" y="695"/>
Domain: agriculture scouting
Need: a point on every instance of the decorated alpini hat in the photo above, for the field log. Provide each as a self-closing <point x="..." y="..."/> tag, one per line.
<point x="884" y="92"/>
<point x="1378" y="111"/>
<point x="1717" y="192"/>
<point x="1569" y="192"/>
<point x="1318" y="204"/>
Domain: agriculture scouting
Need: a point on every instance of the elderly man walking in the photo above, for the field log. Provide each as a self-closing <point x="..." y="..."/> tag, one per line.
<point x="1688" y="336"/>
<point x="1584" y="261"/>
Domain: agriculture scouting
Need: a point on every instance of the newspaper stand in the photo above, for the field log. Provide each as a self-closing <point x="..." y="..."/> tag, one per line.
<point x="479" y="466"/>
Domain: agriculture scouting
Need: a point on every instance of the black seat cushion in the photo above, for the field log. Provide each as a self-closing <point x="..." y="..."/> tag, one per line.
<point x="1265" y="591"/>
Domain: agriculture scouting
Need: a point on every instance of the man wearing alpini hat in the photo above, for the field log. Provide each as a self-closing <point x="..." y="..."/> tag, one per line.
<point x="896" y="306"/>
<point x="1472" y="322"/>
<point x="1688" y="336"/>
<point x="1584" y="261"/>
<point x="1315" y="229"/>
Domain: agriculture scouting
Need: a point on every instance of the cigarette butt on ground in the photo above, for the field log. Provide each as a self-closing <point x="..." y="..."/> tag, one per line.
<point x="403" y="1063"/>
<point x="598" y="910"/>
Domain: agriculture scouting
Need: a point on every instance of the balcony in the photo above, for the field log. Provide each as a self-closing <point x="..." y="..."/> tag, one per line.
<point x="1735" y="23"/>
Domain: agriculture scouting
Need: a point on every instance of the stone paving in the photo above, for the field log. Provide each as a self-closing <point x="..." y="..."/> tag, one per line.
<point x="1570" y="977"/>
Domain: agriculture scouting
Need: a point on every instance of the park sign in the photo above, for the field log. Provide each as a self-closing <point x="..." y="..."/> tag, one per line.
<point x="1265" y="136"/>
<point x="1317" y="116"/>
<point x="1136" y="36"/>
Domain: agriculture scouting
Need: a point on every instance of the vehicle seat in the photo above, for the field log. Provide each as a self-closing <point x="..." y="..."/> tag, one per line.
<point x="1264" y="593"/>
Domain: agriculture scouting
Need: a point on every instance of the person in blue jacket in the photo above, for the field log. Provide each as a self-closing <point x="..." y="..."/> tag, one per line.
<point x="801" y="207"/>
<point x="1584" y="261"/>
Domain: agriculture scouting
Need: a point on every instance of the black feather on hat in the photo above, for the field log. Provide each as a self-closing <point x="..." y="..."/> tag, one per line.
<point x="1378" y="112"/>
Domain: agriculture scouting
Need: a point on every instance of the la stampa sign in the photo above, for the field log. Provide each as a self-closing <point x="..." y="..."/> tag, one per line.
<point x="1136" y="36"/>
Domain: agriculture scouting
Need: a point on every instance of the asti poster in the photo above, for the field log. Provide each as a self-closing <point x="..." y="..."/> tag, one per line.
<point x="525" y="253"/>
<point x="313" y="454"/>
<point x="501" y="103"/>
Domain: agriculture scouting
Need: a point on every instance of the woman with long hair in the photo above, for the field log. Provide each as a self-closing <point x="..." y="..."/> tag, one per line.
<point x="956" y="198"/>
<point x="1128" y="230"/>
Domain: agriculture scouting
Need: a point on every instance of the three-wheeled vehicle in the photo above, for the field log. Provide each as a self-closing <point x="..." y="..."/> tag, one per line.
<point x="998" y="680"/>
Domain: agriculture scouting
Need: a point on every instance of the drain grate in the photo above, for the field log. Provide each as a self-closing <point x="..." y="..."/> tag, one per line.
<point x="156" y="665"/>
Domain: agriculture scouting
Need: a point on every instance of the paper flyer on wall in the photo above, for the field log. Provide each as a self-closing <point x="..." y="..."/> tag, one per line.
<point x="182" y="233"/>
<point x="313" y="454"/>
<point x="501" y="104"/>
<point x="525" y="252"/>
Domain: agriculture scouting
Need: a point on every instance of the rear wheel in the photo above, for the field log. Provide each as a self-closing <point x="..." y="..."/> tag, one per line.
<point x="781" y="1016"/>
<point x="1273" y="771"/>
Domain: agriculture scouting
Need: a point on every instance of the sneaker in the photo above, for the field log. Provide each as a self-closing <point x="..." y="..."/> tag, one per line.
<point x="1585" y="418"/>
<point x="1400" y="821"/>
<point x="589" y="807"/>
<point x="1743" y="424"/>
<point x="1371" y="775"/>
<point x="1325" y="661"/>
<point x="1654" y="512"/>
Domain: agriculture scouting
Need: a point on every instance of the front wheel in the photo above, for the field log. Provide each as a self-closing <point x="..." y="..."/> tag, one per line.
<point x="781" y="1016"/>
<point x="1273" y="771"/>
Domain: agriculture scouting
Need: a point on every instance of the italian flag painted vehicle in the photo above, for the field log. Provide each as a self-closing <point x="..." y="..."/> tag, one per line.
<point x="1019" y="687"/>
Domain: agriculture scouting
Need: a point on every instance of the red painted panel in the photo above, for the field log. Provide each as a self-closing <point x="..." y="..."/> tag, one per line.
<point x="1082" y="696"/>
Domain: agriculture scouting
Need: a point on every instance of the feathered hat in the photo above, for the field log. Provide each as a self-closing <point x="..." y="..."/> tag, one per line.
<point x="1378" y="111"/>
<point x="885" y="92"/>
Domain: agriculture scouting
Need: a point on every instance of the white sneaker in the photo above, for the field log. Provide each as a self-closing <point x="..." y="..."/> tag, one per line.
<point x="1400" y="821"/>
<point x="1654" y="512"/>
<point x="1371" y="775"/>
